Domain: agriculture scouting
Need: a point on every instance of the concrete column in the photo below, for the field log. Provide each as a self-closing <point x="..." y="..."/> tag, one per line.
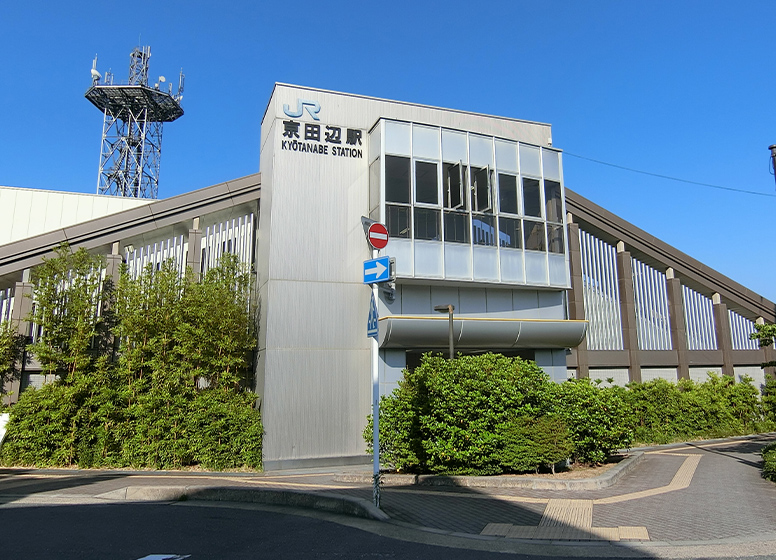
<point x="20" y="313"/>
<point x="678" y="326"/>
<point x="630" y="337"/>
<point x="724" y="338"/>
<point x="22" y="303"/>
<point x="113" y="265"/>
<point x="576" y="300"/>
<point x="194" y="256"/>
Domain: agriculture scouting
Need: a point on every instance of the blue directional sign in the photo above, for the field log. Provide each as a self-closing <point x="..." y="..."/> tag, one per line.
<point x="372" y="329"/>
<point x="377" y="270"/>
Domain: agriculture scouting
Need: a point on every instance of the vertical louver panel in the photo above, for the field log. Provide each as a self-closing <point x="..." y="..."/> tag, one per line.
<point x="699" y="319"/>
<point x="740" y="329"/>
<point x="652" y="323"/>
<point x="601" y="293"/>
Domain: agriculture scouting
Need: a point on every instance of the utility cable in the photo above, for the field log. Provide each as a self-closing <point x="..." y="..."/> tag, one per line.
<point x="721" y="187"/>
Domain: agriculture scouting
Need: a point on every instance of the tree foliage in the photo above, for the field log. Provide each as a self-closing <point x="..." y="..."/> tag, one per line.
<point x="149" y="373"/>
<point x="765" y="335"/>
<point x="11" y="352"/>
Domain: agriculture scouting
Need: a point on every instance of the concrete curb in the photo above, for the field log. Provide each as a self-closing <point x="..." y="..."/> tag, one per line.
<point x="609" y="478"/>
<point x="333" y="503"/>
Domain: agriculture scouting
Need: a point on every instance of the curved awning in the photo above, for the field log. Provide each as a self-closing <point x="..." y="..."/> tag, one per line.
<point x="404" y="331"/>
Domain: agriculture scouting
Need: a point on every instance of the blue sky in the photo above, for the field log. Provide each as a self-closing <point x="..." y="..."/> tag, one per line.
<point x="678" y="88"/>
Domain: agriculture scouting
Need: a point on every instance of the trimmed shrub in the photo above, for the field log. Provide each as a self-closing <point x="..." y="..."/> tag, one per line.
<point x="529" y="443"/>
<point x="597" y="418"/>
<point x="488" y="414"/>
<point x="443" y="416"/>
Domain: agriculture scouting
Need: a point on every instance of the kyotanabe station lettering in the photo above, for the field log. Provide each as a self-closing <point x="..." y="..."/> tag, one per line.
<point x="330" y="144"/>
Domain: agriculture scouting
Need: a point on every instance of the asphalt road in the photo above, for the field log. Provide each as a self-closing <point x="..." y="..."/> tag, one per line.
<point x="135" y="531"/>
<point x="210" y="532"/>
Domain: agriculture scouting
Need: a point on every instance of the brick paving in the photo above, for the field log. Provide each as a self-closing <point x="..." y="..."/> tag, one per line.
<point x="690" y="492"/>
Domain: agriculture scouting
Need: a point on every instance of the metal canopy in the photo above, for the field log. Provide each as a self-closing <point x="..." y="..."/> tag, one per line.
<point x="161" y="106"/>
<point x="475" y="333"/>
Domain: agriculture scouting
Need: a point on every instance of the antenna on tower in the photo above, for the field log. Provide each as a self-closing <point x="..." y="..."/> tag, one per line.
<point x="95" y="74"/>
<point x="133" y="115"/>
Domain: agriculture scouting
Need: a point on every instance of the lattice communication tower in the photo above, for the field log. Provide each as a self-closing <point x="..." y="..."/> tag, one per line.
<point x="132" y="127"/>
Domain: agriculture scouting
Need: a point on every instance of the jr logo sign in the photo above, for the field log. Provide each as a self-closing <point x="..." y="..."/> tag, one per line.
<point x="313" y="108"/>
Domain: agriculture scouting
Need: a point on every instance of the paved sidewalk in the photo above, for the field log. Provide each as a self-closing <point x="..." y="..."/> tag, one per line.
<point x="670" y="500"/>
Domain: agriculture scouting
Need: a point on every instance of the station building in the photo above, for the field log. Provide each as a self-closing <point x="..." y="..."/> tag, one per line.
<point x="479" y="217"/>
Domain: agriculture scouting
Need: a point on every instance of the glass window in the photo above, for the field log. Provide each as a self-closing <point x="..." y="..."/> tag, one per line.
<point x="479" y="178"/>
<point x="551" y="164"/>
<point x="530" y="161"/>
<point x="483" y="229"/>
<point x="454" y="146"/>
<point x="553" y="205"/>
<point x="425" y="142"/>
<point x="509" y="233"/>
<point x="532" y="199"/>
<point x="480" y="150"/>
<point x="397" y="220"/>
<point x="427" y="224"/>
<point x="374" y="142"/>
<point x="507" y="193"/>
<point x="506" y="156"/>
<point x="374" y="189"/>
<point x="534" y="236"/>
<point x="426" y="190"/>
<point x="555" y="238"/>
<point x="397" y="138"/>
<point x="452" y="185"/>
<point x="456" y="227"/>
<point x="397" y="179"/>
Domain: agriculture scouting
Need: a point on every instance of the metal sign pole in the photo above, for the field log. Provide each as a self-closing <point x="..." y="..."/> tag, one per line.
<point x="375" y="410"/>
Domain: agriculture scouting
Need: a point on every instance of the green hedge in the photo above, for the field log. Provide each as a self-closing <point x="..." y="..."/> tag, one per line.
<point x="96" y="425"/>
<point x="664" y="412"/>
<point x="464" y="416"/>
<point x="489" y="414"/>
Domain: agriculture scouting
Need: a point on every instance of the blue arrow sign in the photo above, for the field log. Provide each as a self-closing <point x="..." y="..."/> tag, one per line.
<point x="372" y="329"/>
<point x="377" y="270"/>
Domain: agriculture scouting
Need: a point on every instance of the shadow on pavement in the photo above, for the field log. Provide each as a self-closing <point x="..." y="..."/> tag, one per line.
<point x="732" y="449"/>
<point x="20" y="483"/>
<point x="136" y="531"/>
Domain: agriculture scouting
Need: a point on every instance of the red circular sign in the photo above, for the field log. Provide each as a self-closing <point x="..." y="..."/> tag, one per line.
<point x="377" y="235"/>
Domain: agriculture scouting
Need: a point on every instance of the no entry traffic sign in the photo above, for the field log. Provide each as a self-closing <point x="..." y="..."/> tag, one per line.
<point x="377" y="235"/>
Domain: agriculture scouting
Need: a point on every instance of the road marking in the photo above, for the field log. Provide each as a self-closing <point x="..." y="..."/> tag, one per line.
<point x="681" y="480"/>
<point x="568" y="513"/>
<point x="561" y="533"/>
<point x="565" y="519"/>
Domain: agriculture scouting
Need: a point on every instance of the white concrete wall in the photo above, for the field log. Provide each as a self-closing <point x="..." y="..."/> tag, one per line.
<point x="669" y="374"/>
<point x="755" y="372"/>
<point x="619" y="376"/>
<point x="701" y="374"/>
<point x="313" y="369"/>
